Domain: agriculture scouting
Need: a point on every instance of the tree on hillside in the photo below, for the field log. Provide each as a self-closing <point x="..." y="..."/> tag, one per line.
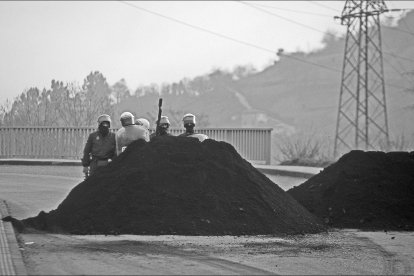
<point x="4" y="116"/>
<point x="329" y="37"/>
<point x="70" y="104"/>
<point x="58" y="94"/>
<point x="52" y="107"/>
<point x="95" y="84"/>
<point x="78" y="106"/>
<point x="97" y="97"/>
<point x="240" y="71"/>
<point x="30" y="109"/>
<point x="220" y="76"/>
<point x="200" y="85"/>
<point x="61" y="105"/>
<point x="120" y="91"/>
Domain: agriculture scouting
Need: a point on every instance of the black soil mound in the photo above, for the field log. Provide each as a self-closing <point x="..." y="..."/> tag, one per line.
<point x="364" y="190"/>
<point x="178" y="185"/>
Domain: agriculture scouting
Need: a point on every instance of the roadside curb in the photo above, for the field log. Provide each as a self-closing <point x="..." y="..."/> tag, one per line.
<point x="11" y="259"/>
<point x="41" y="162"/>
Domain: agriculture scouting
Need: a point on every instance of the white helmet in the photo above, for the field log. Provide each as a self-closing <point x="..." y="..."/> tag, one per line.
<point x="127" y="119"/>
<point x="164" y="120"/>
<point x="104" y="118"/>
<point x="189" y="119"/>
<point x="143" y="122"/>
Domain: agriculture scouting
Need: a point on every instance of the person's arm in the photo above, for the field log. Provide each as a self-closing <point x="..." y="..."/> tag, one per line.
<point x="116" y="153"/>
<point x="86" y="160"/>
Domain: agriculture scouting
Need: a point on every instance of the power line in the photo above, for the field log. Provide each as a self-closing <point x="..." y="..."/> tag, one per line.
<point x="393" y="67"/>
<point x="312" y="28"/>
<point x="306" y="26"/>
<point x="396" y="86"/>
<point x="403" y="20"/>
<point x="398" y="30"/>
<point x="237" y="40"/>
<point x="404" y="31"/>
<point x="405" y="23"/>
<point x="199" y="28"/>
<point x="321" y="5"/>
<point x="392" y="54"/>
<point x="282" y="17"/>
<point x="398" y="61"/>
<point x="296" y="11"/>
<point x="396" y="70"/>
<point x="313" y="63"/>
<point x="397" y="56"/>
<point x="225" y="36"/>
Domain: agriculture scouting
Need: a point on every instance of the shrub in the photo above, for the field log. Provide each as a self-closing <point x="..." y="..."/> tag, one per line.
<point x="304" y="149"/>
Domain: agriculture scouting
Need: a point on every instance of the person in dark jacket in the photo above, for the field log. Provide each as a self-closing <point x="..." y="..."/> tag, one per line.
<point x="189" y="124"/>
<point x="189" y="121"/>
<point x="100" y="147"/>
<point x="163" y="128"/>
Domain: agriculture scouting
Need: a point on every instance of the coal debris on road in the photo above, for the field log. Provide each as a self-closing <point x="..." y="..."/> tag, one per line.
<point x="369" y="190"/>
<point x="178" y="185"/>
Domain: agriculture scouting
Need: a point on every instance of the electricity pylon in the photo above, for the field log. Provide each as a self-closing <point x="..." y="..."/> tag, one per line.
<point x="362" y="113"/>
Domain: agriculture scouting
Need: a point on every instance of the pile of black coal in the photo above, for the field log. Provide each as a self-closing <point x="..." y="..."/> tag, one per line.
<point x="365" y="190"/>
<point x="178" y="185"/>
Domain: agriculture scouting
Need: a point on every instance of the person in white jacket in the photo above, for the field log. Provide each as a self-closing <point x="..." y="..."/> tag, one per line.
<point x="143" y="122"/>
<point x="129" y="132"/>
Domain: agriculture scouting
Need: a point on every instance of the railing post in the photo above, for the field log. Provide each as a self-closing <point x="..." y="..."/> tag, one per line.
<point x="268" y="149"/>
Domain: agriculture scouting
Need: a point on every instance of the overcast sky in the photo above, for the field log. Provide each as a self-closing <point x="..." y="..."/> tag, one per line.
<point x="169" y="40"/>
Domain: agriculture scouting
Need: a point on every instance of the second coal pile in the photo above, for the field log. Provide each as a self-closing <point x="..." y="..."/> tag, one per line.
<point x="178" y="185"/>
<point x="370" y="190"/>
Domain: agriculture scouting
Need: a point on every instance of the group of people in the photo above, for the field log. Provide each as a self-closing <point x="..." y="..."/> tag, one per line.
<point x="103" y="146"/>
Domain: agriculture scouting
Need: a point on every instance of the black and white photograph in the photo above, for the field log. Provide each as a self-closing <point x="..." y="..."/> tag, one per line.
<point x="207" y="137"/>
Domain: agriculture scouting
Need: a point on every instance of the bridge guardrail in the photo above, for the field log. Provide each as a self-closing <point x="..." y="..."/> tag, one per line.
<point x="254" y="144"/>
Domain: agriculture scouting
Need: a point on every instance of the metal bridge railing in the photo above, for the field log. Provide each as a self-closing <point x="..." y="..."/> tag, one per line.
<point x="252" y="144"/>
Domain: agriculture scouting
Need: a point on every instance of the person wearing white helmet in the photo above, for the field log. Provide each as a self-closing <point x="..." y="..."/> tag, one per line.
<point x="189" y="122"/>
<point x="129" y="132"/>
<point x="164" y="128"/>
<point x="100" y="147"/>
<point x="143" y="122"/>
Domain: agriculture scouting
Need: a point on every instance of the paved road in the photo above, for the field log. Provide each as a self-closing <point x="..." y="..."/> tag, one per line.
<point x="31" y="189"/>
<point x="337" y="252"/>
<point x="286" y="182"/>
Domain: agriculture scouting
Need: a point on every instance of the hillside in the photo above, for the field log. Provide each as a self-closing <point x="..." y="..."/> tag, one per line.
<point x="308" y="95"/>
<point x="291" y="95"/>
